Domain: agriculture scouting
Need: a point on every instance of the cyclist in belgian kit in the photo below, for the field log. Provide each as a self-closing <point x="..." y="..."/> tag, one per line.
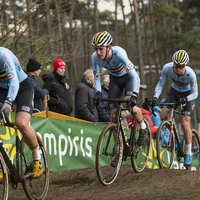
<point x="16" y="86"/>
<point x="122" y="76"/>
<point x="184" y="90"/>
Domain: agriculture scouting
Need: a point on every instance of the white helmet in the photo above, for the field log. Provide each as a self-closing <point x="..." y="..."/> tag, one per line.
<point x="180" y="57"/>
<point x="102" y="38"/>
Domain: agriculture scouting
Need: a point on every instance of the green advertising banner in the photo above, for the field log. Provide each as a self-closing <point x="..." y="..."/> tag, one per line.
<point x="72" y="144"/>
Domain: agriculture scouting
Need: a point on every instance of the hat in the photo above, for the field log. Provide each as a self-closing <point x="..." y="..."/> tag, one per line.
<point x="33" y="65"/>
<point x="58" y="63"/>
<point x="146" y="104"/>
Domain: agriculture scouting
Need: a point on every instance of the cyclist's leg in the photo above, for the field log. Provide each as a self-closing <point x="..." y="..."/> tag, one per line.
<point x="185" y="123"/>
<point x="24" y="111"/>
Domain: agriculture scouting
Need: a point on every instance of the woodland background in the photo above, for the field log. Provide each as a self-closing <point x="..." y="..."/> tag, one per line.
<point x="150" y="33"/>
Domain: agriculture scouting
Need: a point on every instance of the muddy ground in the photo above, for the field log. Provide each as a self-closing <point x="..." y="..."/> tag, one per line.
<point x="157" y="184"/>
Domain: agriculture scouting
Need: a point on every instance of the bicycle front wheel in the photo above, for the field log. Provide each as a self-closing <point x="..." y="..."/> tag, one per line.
<point x="35" y="189"/>
<point x="4" y="187"/>
<point x="165" y="149"/>
<point x="140" y="155"/>
<point x="109" y="153"/>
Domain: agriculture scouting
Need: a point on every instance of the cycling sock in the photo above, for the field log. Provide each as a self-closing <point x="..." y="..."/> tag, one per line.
<point x="36" y="153"/>
<point x="188" y="148"/>
<point x="142" y="124"/>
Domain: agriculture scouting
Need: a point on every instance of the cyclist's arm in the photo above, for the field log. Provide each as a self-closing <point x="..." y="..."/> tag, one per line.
<point x="161" y="82"/>
<point x="194" y="88"/>
<point x="97" y="73"/>
<point x="128" y="65"/>
<point x="12" y="78"/>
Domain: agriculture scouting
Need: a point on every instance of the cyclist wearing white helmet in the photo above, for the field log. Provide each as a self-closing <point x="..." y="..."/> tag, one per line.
<point x="122" y="76"/>
<point x="184" y="90"/>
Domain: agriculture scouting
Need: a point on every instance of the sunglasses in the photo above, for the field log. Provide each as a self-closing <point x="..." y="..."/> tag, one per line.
<point x="179" y="66"/>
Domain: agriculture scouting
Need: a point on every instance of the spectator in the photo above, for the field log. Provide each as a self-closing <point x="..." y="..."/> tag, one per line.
<point x="59" y="90"/>
<point x="104" y="114"/>
<point x="84" y="94"/>
<point x="33" y="71"/>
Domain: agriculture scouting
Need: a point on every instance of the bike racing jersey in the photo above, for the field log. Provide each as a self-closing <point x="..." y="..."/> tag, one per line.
<point x="11" y="73"/>
<point x="187" y="82"/>
<point x="117" y="66"/>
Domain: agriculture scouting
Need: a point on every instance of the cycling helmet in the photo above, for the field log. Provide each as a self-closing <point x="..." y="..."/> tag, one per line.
<point x="102" y="38"/>
<point x="180" y="57"/>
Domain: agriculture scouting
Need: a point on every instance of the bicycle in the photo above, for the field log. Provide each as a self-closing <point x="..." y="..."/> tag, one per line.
<point x="166" y="150"/>
<point x="20" y="172"/>
<point x="108" y="142"/>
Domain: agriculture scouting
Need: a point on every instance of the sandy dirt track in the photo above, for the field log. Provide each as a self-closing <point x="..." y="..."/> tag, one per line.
<point x="157" y="184"/>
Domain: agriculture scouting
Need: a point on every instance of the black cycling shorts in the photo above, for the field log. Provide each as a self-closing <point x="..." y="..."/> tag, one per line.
<point x="116" y="87"/>
<point x="174" y="96"/>
<point x="25" y="96"/>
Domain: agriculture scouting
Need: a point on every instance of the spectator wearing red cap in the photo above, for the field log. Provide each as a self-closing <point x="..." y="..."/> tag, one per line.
<point x="33" y="69"/>
<point x="59" y="90"/>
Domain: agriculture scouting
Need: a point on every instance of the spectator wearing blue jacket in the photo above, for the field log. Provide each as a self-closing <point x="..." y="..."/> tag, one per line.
<point x="104" y="115"/>
<point x="33" y="71"/>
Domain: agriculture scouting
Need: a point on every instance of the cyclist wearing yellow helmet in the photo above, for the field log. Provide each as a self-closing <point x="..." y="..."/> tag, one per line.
<point x="122" y="76"/>
<point x="184" y="90"/>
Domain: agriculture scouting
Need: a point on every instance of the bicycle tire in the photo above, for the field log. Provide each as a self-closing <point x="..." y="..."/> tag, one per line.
<point x="165" y="152"/>
<point x="4" y="186"/>
<point x="35" y="189"/>
<point x="195" y="146"/>
<point x="104" y="156"/>
<point x="140" y="155"/>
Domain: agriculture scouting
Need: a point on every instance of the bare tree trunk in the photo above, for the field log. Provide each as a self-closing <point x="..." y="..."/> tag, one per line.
<point x="30" y="27"/>
<point x="179" y="24"/>
<point x="15" y="25"/>
<point x="116" y="24"/>
<point x="88" y="36"/>
<point x="72" y="69"/>
<point x="96" y="17"/>
<point x="60" y="37"/>
<point x="147" y="48"/>
<point x="85" y="66"/>
<point x="47" y="6"/>
<point x="155" y="46"/>
<point x="5" y="18"/>
<point x="125" y="29"/>
<point x="139" y="45"/>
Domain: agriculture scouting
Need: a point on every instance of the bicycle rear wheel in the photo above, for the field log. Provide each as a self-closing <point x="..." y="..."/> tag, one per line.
<point x="4" y="187"/>
<point x="195" y="148"/>
<point x="140" y="155"/>
<point x="34" y="188"/>
<point x="165" y="149"/>
<point x="106" y="152"/>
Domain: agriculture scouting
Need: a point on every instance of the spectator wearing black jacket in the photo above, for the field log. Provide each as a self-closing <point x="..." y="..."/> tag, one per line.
<point x="84" y="94"/>
<point x="33" y="69"/>
<point x="59" y="90"/>
<point x="104" y="113"/>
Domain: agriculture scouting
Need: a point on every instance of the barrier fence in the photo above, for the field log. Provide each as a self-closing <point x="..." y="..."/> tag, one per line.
<point x="71" y="143"/>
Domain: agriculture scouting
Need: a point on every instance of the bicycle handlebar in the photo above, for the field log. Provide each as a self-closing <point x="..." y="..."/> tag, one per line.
<point x="119" y="101"/>
<point x="171" y="105"/>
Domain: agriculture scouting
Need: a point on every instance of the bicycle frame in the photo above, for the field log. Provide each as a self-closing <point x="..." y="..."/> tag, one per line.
<point x="14" y="170"/>
<point x="175" y="129"/>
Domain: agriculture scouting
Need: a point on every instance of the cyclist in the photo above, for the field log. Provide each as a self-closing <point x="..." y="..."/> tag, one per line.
<point x="184" y="90"/>
<point x="16" y="86"/>
<point x="122" y="76"/>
